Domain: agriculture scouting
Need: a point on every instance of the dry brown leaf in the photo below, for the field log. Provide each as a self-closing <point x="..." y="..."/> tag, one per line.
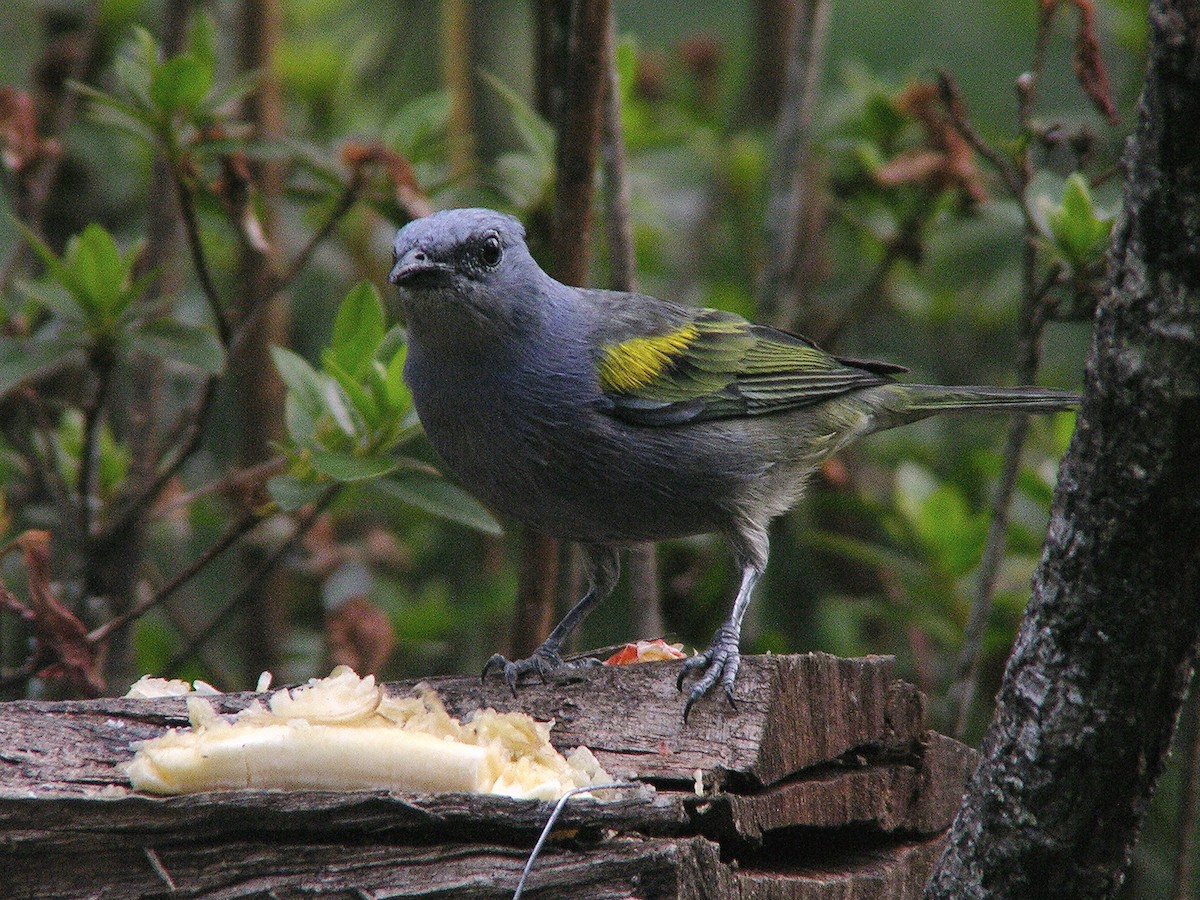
<point x="61" y="646"/>
<point x="360" y="635"/>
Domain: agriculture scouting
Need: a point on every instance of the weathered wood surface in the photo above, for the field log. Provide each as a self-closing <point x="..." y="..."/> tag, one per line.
<point x="793" y="712"/>
<point x="823" y="780"/>
<point x="626" y="866"/>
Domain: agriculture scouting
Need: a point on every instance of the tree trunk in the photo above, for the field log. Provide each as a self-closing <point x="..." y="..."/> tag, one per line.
<point x="1089" y="702"/>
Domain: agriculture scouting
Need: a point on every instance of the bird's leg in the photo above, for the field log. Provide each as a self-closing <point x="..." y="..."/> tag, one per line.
<point x="604" y="565"/>
<point x="722" y="658"/>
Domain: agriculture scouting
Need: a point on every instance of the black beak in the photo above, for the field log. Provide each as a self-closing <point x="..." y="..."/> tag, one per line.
<point x="416" y="269"/>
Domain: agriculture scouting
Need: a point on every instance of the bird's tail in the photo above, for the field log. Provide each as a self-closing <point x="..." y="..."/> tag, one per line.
<point x="904" y="403"/>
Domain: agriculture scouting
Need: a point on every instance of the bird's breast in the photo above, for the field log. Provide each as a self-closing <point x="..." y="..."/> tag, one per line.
<point x="535" y="445"/>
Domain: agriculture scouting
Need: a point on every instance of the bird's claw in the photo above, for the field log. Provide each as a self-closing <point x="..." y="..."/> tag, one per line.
<point x="543" y="660"/>
<point x="720" y="661"/>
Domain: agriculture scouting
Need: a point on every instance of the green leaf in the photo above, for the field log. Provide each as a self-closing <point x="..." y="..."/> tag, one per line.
<point x="342" y="409"/>
<point x="188" y="344"/>
<point x="135" y="67"/>
<point x="55" y="267"/>
<point x="180" y="83"/>
<point x="54" y="297"/>
<point x="360" y="398"/>
<point x="291" y="493"/>
<point x="100" y="272"/>
<point x="133" y="119"/>
<point x="202" y="43"/>
<point x="441" y="498"/>
<point x="535" y="132"/>
<point x="301" y="423"/>
<point x="301" y="379"/>
<point x="347" y="467"/>
<point x="415" y="128"/>
<point x="358" y="329"/>
<point x="1078" y="230"/>
<point x="398" y="394"/>
<point x="24" y="358"/>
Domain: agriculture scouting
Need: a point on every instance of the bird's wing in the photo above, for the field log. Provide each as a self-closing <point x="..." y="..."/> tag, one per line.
<point x="716" y="365"/>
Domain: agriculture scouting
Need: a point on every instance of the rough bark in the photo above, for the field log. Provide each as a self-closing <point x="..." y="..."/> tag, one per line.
<point x="1089" y="702"/>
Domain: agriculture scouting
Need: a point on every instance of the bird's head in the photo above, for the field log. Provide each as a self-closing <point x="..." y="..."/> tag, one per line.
<point x="465" y="265"/>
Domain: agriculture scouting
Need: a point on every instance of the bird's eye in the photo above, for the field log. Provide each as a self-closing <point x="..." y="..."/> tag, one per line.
<point x="490" y="252"/>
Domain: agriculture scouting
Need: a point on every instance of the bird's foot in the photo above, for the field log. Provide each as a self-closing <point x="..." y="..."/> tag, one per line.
<point x="544" y="659"/>
<point x="719" y="661"/>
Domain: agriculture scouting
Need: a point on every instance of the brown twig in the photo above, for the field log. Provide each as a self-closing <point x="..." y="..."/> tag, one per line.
<point x="191" y="228"/>
<point x="184" y="435"/>
<point x="1009" y="173"/>
<point x="344" y="203"/>
<point x="237" y="480"/>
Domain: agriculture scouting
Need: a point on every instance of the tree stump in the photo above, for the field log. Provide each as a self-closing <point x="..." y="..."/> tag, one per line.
<point x="823" y="783"/>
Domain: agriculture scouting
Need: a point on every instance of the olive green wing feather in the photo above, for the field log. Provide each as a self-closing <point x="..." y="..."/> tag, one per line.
<point x="716" y="365"/>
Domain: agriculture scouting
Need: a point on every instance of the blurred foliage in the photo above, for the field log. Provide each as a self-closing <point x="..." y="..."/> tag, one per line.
<point x="912" y="266"/>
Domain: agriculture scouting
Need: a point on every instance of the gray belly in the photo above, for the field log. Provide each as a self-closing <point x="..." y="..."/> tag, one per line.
<point x="588" y="477"/>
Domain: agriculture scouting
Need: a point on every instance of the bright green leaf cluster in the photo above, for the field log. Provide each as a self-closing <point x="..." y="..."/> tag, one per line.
<point x="162" y="94"/>
<point x="87" y="304"/>
<point x="1076" y="228"/>
<point x="346" y="420"/>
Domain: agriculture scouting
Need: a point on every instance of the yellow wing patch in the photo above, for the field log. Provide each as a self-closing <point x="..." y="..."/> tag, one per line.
<point x="634" y="363"/>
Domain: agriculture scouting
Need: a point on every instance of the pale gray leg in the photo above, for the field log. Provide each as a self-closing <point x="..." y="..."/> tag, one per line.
<point x="604" y="568"/>
<point x="722" y="658"/>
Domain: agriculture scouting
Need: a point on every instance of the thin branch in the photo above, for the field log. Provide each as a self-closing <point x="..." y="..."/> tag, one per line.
<point x="1009" y="173"/>
<point x="230" y="536"/>
<point x="237" y="480"/>
<point x="872" y="291"/>
<point x="189" y="427"/>
<point x="1035" y="309"/>
<point x="191" y="227"/>
<point x="185" y="434"/>
<point x="1034" y="313"/>
<point x="89" y="451"/>
<point x="1027" y="84"/>
<point x="344" y="203"/>
<point x="304" y="522"/>
<point x="45" y="463"/>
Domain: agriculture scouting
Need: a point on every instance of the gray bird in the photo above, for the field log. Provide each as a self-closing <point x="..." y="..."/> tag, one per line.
<point x="610" y="418"/>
